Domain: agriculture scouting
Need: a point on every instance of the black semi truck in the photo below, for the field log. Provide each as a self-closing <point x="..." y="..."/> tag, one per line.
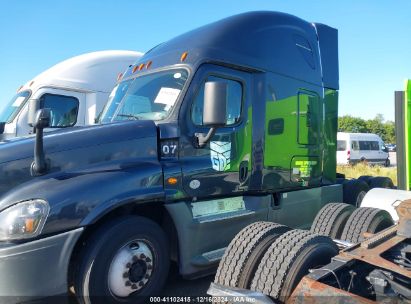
<point x="231" y="123"/>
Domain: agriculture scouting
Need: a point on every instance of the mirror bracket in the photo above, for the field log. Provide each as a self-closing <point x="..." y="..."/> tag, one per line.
<point x="214" y="111"/>
<point x="202" y="139"/>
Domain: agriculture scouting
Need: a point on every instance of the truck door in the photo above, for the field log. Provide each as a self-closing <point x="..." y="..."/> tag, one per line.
<point x="306" y="166"/>
<point x="222" y="168"/>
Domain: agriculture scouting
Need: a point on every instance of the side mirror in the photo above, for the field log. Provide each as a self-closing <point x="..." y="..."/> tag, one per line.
<point x="34" y="107"/>
<point x="42" y="119"/>
<point x="214" y="110"/>
<point x="215" y="103"/>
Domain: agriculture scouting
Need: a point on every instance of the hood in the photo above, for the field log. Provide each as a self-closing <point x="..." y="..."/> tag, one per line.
<point x="77" y="148"/>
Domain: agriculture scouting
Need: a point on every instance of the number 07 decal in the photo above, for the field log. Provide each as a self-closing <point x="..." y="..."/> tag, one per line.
<point x="169" y="148"/>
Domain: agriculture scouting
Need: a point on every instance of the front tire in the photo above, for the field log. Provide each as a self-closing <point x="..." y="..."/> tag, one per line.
<point x="387" y="162"/>
<point x="124" y="261"/>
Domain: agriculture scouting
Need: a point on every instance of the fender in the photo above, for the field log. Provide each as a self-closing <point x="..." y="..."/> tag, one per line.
<point x="79" y="198"/>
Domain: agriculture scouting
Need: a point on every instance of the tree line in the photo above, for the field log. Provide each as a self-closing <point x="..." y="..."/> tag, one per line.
<point x="377" y="125"/>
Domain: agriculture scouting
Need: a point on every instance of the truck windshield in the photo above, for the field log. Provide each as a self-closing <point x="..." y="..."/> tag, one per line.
<point x="10" y="111"/>
<point x="149" y="97"/>
<point x="113" y="101"/>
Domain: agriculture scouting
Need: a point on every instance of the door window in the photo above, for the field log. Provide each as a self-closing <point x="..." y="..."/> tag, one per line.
<point x="233" y="103"/>
<point x="64" y="109"/>
<point x="308" y="127"/>
<point x="375" y="146"/>
<point x="355" y="145"/>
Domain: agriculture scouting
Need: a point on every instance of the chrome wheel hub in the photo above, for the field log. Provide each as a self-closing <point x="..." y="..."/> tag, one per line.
<point x="131" y="268"/>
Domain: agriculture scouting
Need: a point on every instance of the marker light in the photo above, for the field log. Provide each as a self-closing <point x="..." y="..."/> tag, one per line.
<point x="172" y="180"/>
<point x="141" y="66"/>
<point x="119" y="76"/>
<point x="31" y="83"/>
<point x="148" y="65"/>
<point x="18" y="90"/>
<point x="184" y="56"/>
<point x="135" y="69"/>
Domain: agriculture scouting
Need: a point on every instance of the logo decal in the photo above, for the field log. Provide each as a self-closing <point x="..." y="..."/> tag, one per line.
<point x="220" y="153"/>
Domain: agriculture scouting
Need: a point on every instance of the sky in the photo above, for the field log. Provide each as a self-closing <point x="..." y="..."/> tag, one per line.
<point x="374" y="38"/>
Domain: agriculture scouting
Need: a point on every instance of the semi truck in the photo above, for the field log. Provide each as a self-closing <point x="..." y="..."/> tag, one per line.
<point x="226" y="125"/>
<point x="75" y="90"/>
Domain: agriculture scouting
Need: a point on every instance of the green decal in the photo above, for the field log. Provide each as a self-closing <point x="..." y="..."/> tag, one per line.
<point x="304" y="167"/>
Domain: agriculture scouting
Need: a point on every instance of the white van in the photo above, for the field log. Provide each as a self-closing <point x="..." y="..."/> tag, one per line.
<point x="361" y="147"/>
<point x="75" y="90"/>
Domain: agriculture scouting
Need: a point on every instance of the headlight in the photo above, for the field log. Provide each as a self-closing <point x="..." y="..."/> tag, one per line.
<point x="23" y="220"/>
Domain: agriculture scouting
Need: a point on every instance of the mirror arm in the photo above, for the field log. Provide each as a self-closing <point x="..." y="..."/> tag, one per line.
<point x="42" y="120"/>
<point x="202" y="139"/>
<point x="39" y="165"/>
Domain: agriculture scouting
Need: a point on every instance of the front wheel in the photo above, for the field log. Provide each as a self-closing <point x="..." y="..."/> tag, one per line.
<point x="125" y="261"/>
<point x="387" y="162"/>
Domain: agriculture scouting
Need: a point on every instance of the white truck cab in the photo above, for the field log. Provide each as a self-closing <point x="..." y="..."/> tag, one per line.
<point x="361" y="147"/>
<point x="75" y="90"/>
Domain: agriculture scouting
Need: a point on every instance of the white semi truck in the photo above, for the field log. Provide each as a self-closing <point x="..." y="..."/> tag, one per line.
<point x="75" y="90"/>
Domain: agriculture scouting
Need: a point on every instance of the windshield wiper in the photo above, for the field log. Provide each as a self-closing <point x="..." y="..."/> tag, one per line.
<point x="129" y="116"/>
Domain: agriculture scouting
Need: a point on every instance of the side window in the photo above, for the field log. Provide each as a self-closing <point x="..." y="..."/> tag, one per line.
<point x="234" y="101"/>
<point x="364" y="145"/>
<point x="375" y="146"/>
<point x="355" y="145"/>
<point x="64" y="109"/>
<point x="341" y="145"/>
<point x="308" y="119"/>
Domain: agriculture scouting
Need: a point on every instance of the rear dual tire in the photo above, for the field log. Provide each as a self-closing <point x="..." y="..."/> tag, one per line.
<point x="244" y="253"/>
<point x="331" y="219"/>
<point x="365" y="219"/>
<point x="377" y="181"/>
<point x="288" y="260"/>
<point x="354" y="191"/>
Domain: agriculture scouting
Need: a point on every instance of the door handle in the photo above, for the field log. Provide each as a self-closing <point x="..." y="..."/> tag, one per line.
<point x="243" y="171"/>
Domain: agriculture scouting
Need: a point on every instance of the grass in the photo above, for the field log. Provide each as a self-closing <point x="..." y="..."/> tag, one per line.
<point x="356" y="171"/>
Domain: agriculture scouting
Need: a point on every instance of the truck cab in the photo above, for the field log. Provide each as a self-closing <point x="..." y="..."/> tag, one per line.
<point x="75" y="90"/>
<point x="228" y="124"/>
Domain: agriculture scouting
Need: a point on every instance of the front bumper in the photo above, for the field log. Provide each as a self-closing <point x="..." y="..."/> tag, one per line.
<point x="236" y="295"/>
<point x="36" y="269"/>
